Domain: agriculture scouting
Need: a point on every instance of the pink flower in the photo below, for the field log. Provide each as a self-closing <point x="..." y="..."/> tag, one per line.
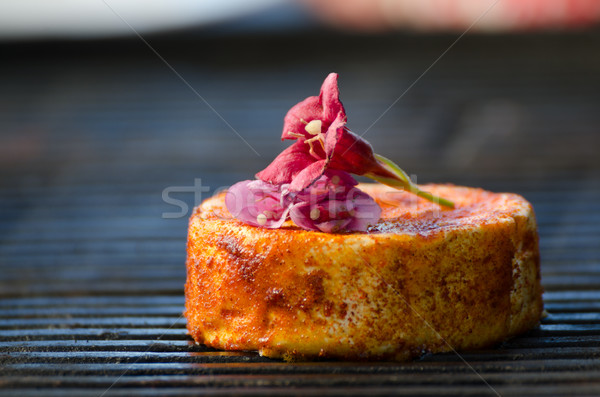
<point x="318" y="124"/>
<point x="310" y="181"/>
<point x="331" y="204"/>
<point x="256" y="203"/>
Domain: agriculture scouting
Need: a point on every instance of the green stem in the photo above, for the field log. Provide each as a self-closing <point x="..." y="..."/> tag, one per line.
<point x="401" y="180"/>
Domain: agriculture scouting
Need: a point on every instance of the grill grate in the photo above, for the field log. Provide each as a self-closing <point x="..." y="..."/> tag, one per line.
<point x="91" y="274"/>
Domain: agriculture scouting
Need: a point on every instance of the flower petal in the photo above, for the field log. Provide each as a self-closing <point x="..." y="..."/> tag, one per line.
<point x="366" y="212"/>
<point x="302" y="214"/>
<point x="330" y="98"/>
<point x="256" y="203"/>
<point x="338" y="177"/>
<point x="352" y="210"/>
<point x="324" y="107"/>
<point x="332" y="185"/>
<point x="308" y="176"/>
<point x="287" y="165"/>
<point x="299" y="115"/>
<point x="349" y="152"/>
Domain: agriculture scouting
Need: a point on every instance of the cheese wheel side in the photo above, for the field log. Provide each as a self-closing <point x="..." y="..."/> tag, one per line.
<point x="420" y="280"/>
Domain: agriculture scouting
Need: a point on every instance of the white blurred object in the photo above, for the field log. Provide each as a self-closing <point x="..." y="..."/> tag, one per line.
<point x="24" y="19"/>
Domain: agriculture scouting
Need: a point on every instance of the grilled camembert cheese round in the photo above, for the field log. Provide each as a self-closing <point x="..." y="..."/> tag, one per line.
<point x="423" y="279"/>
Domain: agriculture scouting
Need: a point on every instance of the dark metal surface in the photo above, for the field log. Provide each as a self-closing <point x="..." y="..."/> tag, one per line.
<point x="92" y="272"/>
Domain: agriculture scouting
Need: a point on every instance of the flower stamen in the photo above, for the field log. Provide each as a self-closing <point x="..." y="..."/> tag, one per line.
<point x="296" y="135"/>
<point x="318" y="138"/>
<point x="314" y="127"/>
<point x="315" y="214"/>
<point x="261" y="219"/>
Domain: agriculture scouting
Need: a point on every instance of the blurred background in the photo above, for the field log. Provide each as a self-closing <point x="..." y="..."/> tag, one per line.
<point x="106" y="105"/>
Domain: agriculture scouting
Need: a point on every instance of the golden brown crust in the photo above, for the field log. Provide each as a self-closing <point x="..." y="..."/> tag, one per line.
<point x="420" y="280"/>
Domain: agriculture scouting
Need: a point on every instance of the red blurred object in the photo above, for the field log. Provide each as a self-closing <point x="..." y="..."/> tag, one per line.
<point x="491" y="15"/>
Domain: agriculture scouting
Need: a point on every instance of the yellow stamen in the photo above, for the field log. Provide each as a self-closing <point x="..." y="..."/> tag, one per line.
<point x="314" y="127"/>
<point x="315" y="214"/>
<point x="310" y="141"/>
<point x="261" y="219"/>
